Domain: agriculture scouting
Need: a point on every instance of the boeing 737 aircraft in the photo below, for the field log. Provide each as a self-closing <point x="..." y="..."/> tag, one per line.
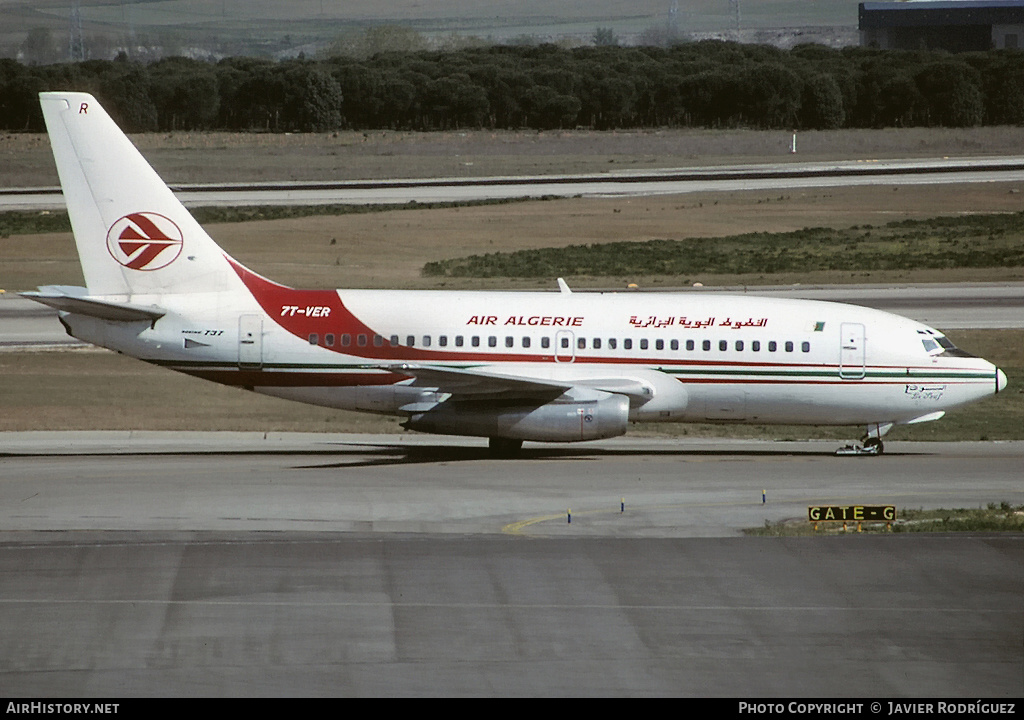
<point x="510" y="366"/>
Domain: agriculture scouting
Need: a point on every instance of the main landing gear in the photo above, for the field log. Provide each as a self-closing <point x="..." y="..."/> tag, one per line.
<point x="871" y="443"/>
<point x="504" y="447"/>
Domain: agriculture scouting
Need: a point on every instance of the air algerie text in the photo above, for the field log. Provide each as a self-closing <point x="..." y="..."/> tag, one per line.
<point x="542" y="320"/>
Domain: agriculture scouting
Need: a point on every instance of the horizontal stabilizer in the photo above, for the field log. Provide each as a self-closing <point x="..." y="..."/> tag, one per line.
<point x="76" y="300"/>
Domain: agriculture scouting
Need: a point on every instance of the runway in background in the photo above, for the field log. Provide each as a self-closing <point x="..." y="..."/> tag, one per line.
<point x="668" y="181"/>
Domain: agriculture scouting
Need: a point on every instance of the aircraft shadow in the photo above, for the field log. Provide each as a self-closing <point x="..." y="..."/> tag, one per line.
<point x="377" y="455"/>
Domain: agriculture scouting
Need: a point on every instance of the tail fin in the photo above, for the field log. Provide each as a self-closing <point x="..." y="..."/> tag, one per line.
<point x="133" y="236"/>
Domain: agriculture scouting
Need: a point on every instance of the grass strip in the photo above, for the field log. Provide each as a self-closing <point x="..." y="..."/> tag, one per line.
<point x="995" y="517"/>
<point x="971" y="241"/>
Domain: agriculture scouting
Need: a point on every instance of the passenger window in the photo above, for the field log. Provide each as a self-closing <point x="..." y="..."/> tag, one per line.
<point x="805" y="347"/>
<point x="739" y="346"/>
<point x="659" y="344"/>
<point x="394" y="341"/>
<point x="378" y="341"/>
<point x="545" y="342"/>
<point x="581" y="343"/>
<point x="612" y="343"/>
<point x="674" y="345"/>
<point x="492" y="341"/>
<point x="789" y="346"/>
<point x="361" y="340"/>
<point x="509" y="341"/>
<point x="410" y="340"/>
<point x="772" y="346"/>
<point x="458" y="341"/>
<point x="755" y="345"/>
<point x="706" y="345"/>
<point x="643" y="344"/>
<point x="723" y="345"/>
<point x="565" y="342"/>
<point x="346" y="340"/>
<point x="426" y="341"/>
<point x="329" y="339"/>
<point x="627" y="344"/>
<point x="526" y="341"/>
<point x="689" y="344"/>
<point x="476" y="341"/>
<point x="597" y="343"/>
<point x="443" y="341"/>
<point x="314" y="339"/>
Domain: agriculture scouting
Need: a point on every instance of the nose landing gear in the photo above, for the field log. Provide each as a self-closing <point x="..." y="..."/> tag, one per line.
<point x="871" y="443"/>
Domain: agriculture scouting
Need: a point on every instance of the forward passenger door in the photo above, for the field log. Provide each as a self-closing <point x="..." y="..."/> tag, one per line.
<point x="851" y="351"/>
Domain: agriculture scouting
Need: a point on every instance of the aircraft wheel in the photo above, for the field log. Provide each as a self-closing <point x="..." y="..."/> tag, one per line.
<point x="504" y="447"/>
<point x="875" y="443"/>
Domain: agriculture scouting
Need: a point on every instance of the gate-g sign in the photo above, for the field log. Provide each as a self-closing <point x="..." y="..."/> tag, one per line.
<point x="851" y="513"/>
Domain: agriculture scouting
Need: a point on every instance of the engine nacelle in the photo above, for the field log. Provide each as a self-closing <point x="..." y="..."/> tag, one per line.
<point x="569" y="418"/>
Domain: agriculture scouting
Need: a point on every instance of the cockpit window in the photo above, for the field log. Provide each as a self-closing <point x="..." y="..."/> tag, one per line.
<point x="935" y="344"/>
<point x="949" y="349"/>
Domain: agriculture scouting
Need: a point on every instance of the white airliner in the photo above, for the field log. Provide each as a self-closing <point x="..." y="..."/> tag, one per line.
<point x="509" y="366"/>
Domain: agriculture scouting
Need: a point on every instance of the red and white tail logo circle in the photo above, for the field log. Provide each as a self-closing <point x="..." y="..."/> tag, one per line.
<point x="144" y="241"/>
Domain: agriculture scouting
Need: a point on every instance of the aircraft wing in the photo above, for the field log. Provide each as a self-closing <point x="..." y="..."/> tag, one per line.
<point x="471" y="383"/>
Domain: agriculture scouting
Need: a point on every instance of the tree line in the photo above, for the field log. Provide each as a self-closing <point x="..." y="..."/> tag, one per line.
<point x="709" y="84"/>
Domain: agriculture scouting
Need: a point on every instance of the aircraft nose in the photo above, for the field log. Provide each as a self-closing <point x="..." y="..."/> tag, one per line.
<point x="1000" y="380"/>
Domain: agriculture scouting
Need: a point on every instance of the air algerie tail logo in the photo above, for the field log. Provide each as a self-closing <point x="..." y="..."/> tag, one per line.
<point x="144" y="241"/>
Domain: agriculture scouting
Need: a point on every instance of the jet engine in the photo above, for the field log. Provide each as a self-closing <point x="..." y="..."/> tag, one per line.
<point x="572" y="417"/>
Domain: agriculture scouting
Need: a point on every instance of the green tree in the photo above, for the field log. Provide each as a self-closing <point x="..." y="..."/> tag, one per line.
<point x="125" y="90"/>
<point x="312" y="101"/>
<point x="1002" y="74"/>
<point x="769" y="95"/>
<point x="186" y="94"/>
<point x="899" y="102"/>
<point x="710" y="98"/>
<point x="546" y="109"/>
<point x="19" y="97"/>
<point x="260" y="97"/>
<point x="952" y="93"/>
<point x="455" y="102"/>
<point x="822" y="104"/>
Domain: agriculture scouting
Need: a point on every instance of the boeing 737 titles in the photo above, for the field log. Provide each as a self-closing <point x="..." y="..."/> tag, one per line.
<point x="509" y="366"/>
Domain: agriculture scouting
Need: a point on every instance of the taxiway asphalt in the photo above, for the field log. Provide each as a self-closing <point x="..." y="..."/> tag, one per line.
<point x="412" y="483"/>
<point x="141" y="564"/>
